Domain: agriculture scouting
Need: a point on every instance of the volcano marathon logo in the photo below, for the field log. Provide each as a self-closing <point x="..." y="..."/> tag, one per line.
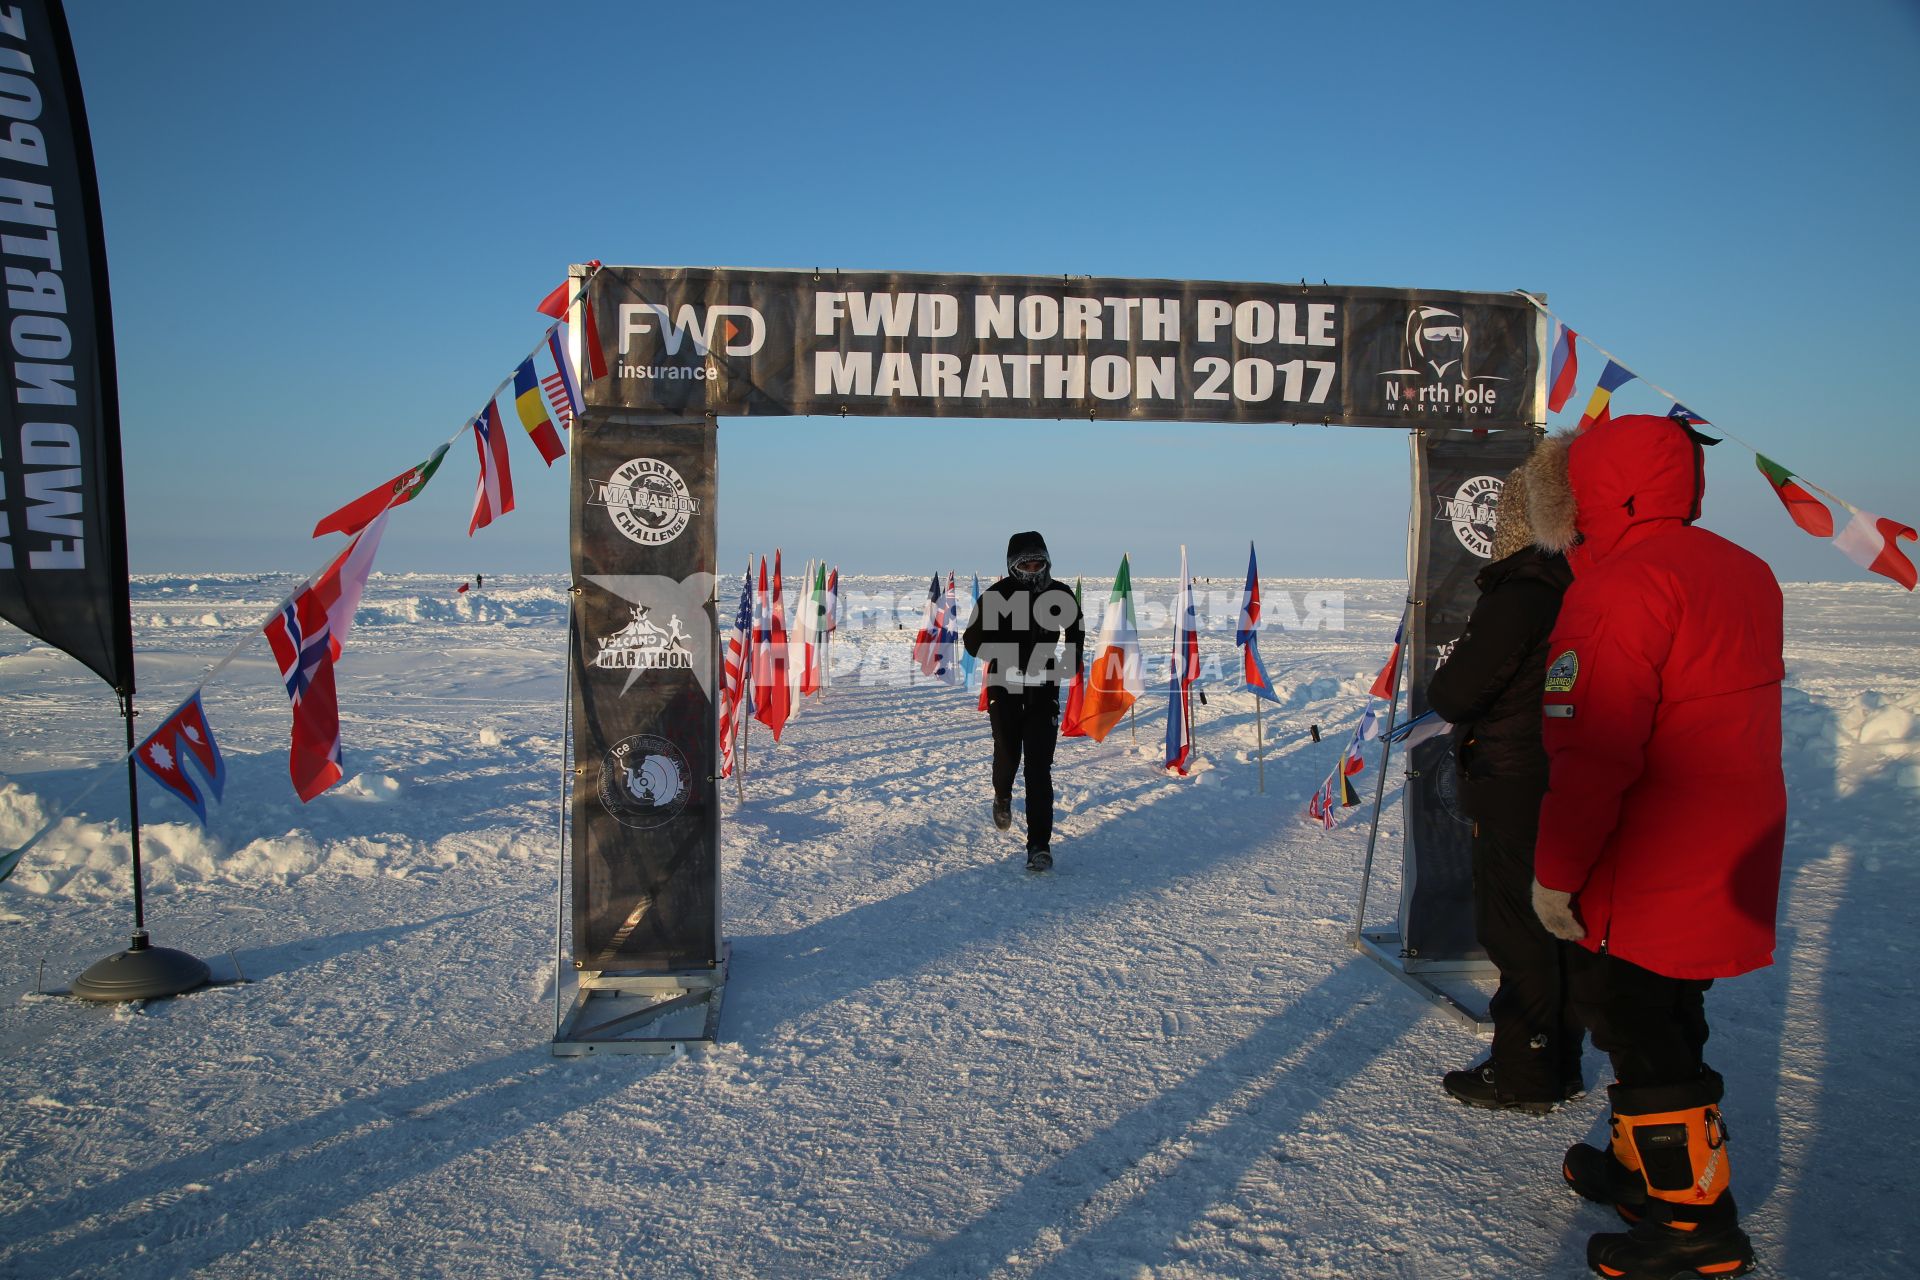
<point x="643" y="781"/>
<point x="1435" y="376"/>
<point x="669" y="627"/>
<point x="647" y="501"/>
<point x="1470" y="512"/>
<point x="735" y="330"/>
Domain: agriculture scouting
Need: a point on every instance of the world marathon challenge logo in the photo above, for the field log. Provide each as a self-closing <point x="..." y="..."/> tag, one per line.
<point x="1470" y="512"/>
<point x="1435" y="377"/>
<point x="647" y="501"/>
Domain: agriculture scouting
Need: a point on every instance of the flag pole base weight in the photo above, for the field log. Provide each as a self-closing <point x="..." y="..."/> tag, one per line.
<point x="1460" y="988"/>
<point x="141" y="972"/>
<point x="651" y="1013"/>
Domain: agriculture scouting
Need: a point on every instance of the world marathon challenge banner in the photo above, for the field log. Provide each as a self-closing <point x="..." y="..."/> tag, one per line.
<point x="644" y="652"/>
<point x="743" y="342"/>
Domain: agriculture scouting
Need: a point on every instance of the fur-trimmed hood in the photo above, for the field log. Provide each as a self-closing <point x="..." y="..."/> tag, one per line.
<point x="1551" y="510"/>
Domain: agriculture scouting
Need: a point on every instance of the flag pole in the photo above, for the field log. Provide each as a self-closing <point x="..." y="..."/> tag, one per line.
<point x="1259" y="744"/>
<point x="560" y="872"/>
<point x="1402" y="658"/>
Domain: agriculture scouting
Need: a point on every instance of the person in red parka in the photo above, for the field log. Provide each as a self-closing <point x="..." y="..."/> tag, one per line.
<point x="1662" y="828"/>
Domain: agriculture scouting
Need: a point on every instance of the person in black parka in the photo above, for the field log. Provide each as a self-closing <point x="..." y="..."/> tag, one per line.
<point x="1014" y="630"/>
<point x="1489" y="687"/>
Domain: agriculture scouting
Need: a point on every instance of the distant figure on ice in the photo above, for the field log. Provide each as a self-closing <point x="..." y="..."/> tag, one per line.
<point x="479" y="581"/>
<point x="1663" y="825"/>
<point x="1489" y="687"/>
<point x="1014" y="629"/>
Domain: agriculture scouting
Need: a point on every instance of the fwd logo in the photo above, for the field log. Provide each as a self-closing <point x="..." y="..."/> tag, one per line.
<point x="741" y="330"/>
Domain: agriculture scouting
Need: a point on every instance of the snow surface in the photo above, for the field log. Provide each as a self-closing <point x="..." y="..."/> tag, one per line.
<point x="1160" y="1061"/>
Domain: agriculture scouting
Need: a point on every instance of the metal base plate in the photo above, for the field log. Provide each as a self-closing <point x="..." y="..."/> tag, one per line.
<point x="147" y="974"/>
<point x="653" y="1013"/>
<point x="1460" y="987"/>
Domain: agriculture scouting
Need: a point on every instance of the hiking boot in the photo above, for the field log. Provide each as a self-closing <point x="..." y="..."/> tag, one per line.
<point x="1600" y="1176"/>
<point x="1710" y="1245"/>
<point x="1039" y="860"/>
<point x="1003" y="812"/>
<point x="1477" y="1088"/>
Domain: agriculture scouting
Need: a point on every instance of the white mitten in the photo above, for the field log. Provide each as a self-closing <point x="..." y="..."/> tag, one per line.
<point x="1555" y="910"/>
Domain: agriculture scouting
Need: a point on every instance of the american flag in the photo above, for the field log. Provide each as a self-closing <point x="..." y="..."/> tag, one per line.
<point x="560" y="388"/>
<point x="734" y="671"/>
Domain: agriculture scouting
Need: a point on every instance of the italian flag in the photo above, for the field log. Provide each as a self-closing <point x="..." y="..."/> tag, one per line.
<point x="816" y="616"/>
<point x="1114" y="680"/>
<point x="1807" y="511"/>
<point x="1873" y="543"/>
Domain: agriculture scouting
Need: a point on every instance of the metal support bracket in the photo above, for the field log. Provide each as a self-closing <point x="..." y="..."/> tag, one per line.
<point x="652" y="1013"/>
<point x="1459" y="987"/>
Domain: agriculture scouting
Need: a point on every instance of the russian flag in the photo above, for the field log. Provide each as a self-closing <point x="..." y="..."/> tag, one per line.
<point x="1564" y="370"/>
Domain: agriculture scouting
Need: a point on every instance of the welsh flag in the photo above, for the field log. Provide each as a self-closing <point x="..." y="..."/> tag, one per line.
<point x="1873" y="543"/>
<point x="1807" y="511"/>
<point x="1114" y="680"/>
<point x="359" y="513"/>
<point x="1070" y="719"/>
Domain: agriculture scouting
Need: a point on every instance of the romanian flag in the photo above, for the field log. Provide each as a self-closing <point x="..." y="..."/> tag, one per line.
<point x="531" y="405"/>
<point x="1113" y="678"/>
<point x="1873" y="543"/>
<point x="1612" y="378"/>
<point x="1070" y="726"/>
<point x="1807" y="511"/>
<point x="1564" y="370"/>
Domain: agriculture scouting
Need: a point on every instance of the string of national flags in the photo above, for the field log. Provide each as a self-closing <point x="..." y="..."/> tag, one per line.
<point x="772" y="663"/>
<point x="308" y="630"/>
<point x="1869" y="540"/>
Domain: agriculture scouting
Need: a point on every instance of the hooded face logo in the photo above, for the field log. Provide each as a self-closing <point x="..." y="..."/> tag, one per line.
<point x="1437" y="339"/>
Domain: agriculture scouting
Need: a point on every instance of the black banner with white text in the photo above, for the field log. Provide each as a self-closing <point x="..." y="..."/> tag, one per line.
<point x="740" y="342"/>
<point x="63" y="550"/>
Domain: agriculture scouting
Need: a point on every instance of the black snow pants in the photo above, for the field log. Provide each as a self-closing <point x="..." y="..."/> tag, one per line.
<point x="1536" y="1033"/>
<point x="1652" y="1026"/>
<point x="1026" y="721"/>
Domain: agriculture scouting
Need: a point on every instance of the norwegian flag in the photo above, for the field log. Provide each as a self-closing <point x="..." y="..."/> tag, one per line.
<point x="163" y="755"/>
<point x="734" y="670"/>
<point x="560" y="387"/>
<point x="306" y="636"/>
<point x="493" y="496"/>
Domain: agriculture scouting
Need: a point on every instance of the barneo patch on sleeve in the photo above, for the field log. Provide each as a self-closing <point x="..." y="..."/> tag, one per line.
<point x="1564" y="671"/>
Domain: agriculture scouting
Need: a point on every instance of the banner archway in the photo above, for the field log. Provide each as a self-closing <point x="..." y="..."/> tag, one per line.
<point x="673" y="350"/>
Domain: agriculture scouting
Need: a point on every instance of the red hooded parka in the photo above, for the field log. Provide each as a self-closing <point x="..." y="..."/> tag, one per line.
<point x="1666" y="809"/>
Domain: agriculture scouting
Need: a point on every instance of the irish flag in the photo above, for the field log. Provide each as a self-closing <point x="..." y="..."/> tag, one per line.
<point x="1114" y="679"/>
<point x="1873" y="543"/>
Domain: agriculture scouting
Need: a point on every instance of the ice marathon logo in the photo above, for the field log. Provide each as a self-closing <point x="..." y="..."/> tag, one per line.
<point x="643" y="781"/>
<point x="1435" y="376"/>
<point x="1470" y="512"/>
<point x="647" y="501"/>
<point x="733" y="330"/>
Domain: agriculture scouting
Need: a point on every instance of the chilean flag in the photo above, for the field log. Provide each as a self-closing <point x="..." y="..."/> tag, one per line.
<point x="493" y="496"/>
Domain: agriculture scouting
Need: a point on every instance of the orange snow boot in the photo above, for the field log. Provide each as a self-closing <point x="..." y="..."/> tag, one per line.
<point x="1689" y="1224"/>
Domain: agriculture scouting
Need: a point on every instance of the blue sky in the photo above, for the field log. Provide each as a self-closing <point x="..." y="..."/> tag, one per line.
<point x="328" y="226"/>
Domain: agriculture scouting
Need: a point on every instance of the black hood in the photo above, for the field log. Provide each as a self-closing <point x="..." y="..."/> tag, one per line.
<point x="1023" y="546"/>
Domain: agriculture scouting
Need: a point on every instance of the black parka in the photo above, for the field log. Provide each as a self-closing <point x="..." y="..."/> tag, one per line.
<point x="1490" y="684"/>
<point x="1015" y="627"/>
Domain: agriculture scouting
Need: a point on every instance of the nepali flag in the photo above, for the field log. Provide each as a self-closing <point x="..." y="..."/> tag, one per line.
<point x="560" y="388"/>
<point x="307" y="635"/>
<point x="1385" y="684"/>
<point x="493" y="495"/>
<point x="1873" y="543"/>
<point x="164" y="752"/>
<point x="1247" y="635"/>
<point x="734" y="671"/>
<point x="1599" y="412"/>
<point x="1181" y="673"/>
<point x="530" y="403"/>
<point x="557" y="303"/>
<point x="933" y="640"/>
<point x="1807" y="511"/>
<point x="1564" y="369"/>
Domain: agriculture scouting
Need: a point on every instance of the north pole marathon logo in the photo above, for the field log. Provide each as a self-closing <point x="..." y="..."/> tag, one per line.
<point x="1435" y="376"/>
<point x="647" y="501"/>
<point x="1470" y="512"/>
<point x="644" y="781"/>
